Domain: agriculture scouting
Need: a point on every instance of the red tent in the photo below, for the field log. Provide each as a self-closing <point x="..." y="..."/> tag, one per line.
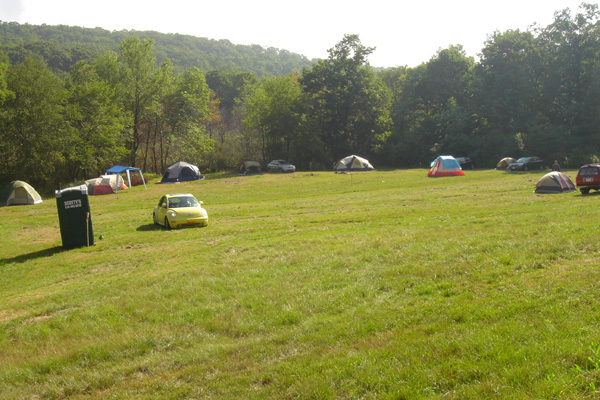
<point x="445" y="166"/>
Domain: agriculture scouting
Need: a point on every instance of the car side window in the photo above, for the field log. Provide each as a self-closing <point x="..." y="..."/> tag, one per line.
<point x="161" y="201"/>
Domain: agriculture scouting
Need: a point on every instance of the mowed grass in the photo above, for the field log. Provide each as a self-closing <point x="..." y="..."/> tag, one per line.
<point x="379" y="285"/>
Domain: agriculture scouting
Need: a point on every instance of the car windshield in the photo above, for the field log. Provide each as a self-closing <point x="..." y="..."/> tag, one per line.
<point x="523" y="159"/>
<point x="187" y="201"/>
<point x="589" y="171"/>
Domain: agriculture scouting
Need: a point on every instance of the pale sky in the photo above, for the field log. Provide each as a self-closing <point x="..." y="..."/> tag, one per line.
<point x="403" y="32"/>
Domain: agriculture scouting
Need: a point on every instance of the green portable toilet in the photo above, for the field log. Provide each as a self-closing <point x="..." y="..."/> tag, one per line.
<point x="74" y="217"/>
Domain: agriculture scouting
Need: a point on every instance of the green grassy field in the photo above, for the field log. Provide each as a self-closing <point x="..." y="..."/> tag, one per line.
<point x="379" y="285"/>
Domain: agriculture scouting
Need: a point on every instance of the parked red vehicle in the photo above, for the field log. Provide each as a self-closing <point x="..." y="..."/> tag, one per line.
<point x="588" y="178"/>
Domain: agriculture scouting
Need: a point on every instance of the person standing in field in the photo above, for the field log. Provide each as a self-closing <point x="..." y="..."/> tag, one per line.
<point x="556" y="166"/>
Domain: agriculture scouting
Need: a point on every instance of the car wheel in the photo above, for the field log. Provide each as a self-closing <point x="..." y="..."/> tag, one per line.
<point x="584" y="190"/>
<point x="154" y="219"/>
<point x="167" y="225"/>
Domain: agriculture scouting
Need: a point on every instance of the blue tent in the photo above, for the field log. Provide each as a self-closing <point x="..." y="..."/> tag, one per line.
<point x="445" y="166"/>
<point x="119" y="169"/>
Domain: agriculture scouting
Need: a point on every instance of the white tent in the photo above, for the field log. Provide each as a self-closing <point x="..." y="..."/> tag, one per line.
<point x="104" y="184"/>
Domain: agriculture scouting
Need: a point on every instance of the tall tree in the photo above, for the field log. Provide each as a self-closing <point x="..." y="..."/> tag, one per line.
<point x="409" y="144"/>
<point x="138" y="77"/>
<point x="443" y="90"/>
<point x="156" y="136"/>
<point x="34" y="133"/>
<point x="275" y="109"/>
<point x="235" y="142"/>
<point x="188" y="109"/>
<point x="348" y="102"/>
<point x="571" y="51"/>
<point x="4" y="92"/>
<point x="507" y="91"/>
<point x="98" y="121"/>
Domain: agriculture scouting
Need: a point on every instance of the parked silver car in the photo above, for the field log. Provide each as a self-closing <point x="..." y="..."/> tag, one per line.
<point x="280" y="166"/>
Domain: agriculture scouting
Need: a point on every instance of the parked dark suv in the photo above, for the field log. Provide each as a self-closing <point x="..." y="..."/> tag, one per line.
<point x="465" y="163"/>
<point x="588" y="178"/>
<point x="526" y="164"/>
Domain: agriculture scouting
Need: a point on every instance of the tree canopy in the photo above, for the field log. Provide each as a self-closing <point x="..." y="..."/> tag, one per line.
<point x="62" y="46"/>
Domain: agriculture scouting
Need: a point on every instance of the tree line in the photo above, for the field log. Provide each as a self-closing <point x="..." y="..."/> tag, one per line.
<point x="62" y="46"/>
<point x="532" y="92"/>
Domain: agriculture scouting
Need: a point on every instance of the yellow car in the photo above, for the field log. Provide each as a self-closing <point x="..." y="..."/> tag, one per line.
<point x="179" y="209"/>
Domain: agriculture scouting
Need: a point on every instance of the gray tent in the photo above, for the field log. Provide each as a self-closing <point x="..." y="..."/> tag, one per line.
<point x="554" y="182"/>
<point x="181" y="172"/>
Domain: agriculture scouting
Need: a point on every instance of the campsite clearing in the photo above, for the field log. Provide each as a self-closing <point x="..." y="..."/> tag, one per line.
<point x="378" y="285"/>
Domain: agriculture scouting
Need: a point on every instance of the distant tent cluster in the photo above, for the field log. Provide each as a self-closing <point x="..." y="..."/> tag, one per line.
<point x="21" y="193"/>
<point x="112" y="181"/>
<point x="119" y="169"/>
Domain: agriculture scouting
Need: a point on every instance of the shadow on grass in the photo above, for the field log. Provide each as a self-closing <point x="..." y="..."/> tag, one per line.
<point x="32" y="256"/>
<point x="530" y="172"/>
<point x="152" y="227"/>
<point x="594" y="193"/>
<point x="149" y="227"/>
<point x="207" y="177"/>
<point x="222" y="175"/>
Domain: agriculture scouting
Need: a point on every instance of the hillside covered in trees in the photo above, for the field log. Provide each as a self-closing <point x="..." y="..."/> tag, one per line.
<point x="62" y="46"/>
<point x="534" y="92"/>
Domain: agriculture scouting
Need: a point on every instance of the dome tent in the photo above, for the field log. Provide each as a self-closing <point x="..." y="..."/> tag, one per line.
<point x="353" y="163"/>
<point x="181" y="172"/>
<point x="250" y="167"/>
<point x="504" y="163"/>
<point x="104" y="184"/>
<point x="554" y="182"/>
<point x="19" y="193"/>
<point x="445" y="166"/>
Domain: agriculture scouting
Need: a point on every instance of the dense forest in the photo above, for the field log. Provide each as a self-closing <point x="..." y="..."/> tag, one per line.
<point x="71" y="110"/>
<point x="62" y="46"/>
